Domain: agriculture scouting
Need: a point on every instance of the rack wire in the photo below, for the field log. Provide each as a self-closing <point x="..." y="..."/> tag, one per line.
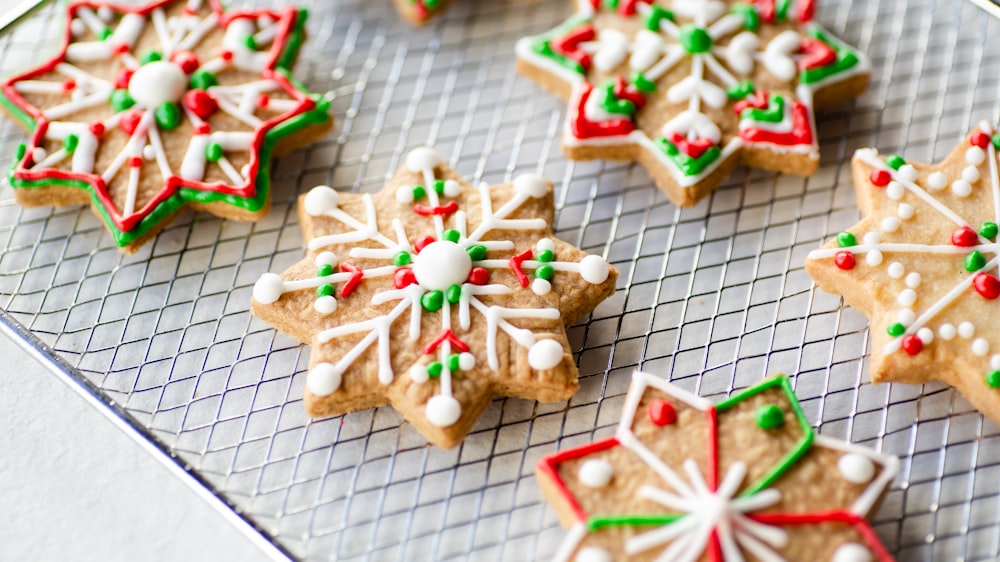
<point x="714" y="297"/>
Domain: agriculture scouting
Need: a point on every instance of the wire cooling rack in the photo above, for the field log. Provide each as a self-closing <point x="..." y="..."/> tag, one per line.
<point x="714" y="297"/>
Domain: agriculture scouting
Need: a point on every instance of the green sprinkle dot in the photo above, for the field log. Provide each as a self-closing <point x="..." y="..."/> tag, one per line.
<point x="454" y="294"/>
<point x="989" y="230"/>
<point x="993" y="379"/>
<point x="149" y="56"/>
<point x="452" y="235"/>
<point x="21" y="151"/>
<point x="431" y="4"/>
<point x="477" y="253"/>
<point x="846" y="240"/>
<point x="203" y="80"/>
<point x="70" y="142"/>
<point x="974" y="261"/>
<point x="104" y="34"/>
<point x="324" y="270"/>
<point x="213" y="151"/>
<point x="419" y="192"/>
<point x="769" y="416"/>
<point x="121" y="100"/>
<point x="168" y="115"/>
<point x="741" y="90"/>
<point x="453" y="362"/>
<point x="642" y="83"/>
<point x="324" y="290"/>
<point x="896" y="330"/>
<point x="434" y="369"/>
<point x="250" y="42"/>
<point x="401" y="259"/>
<point x="695" y="40"/>
<point x="439" y="187"/>
<point x="895" y="162"/>
<point x="546" y="256"/>
<point x="432" y="301"/>
<point x="544" y="272"/>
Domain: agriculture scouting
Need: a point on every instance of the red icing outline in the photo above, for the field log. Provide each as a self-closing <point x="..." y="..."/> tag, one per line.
<point x="801" y="132"/>
<point x="515" y="264"/>
<point x="547" y="466"/>
<point x="817" y="54"/>
<point x="582" y="128"/>
<point x="569" y="45"/>
<point x="625" y="91"/>
<point x="693" y="148"/>
<point x="627" y="7"/>
<point x="443" y="210"/>
<point x="356" y="274"/>
<point x="846" y="517"/>
<point x="448" y="335"/>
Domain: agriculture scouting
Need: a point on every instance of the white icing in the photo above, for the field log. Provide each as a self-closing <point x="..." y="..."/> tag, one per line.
<point x="193" y="165"/>
<point x="913" y="280"/>
<point x="908" y="173"/>
<point x="325" y="305"/>
<point x="937" y="181"/>
<point x="545" y="245"/>
<point x="777" y="57"/>
<point x="156" y="83"/>
<point x="323" y="379"/>
<point x="441" y="264"/>
<point x="545" y="355"/>
<point x="906" y="316"/>
<point x="531" y="185"/>
<point x="995" y="362"/>
<point x="593" y="554"/>
<point x="966" y="330"/>
<point x="975" y="156"/>
<point x="980" y="347"/>
<point x="873" y="258"/>
<point x="418" y="372"/>
<point x="970" y="174"/>
<point x="595" y="473"/>
<point x="894" y="190"/>
<point x="327" y="258"/>
<point x="466" y="361"/>
<point x="872" y="238"/>
<point x="321" y="200"/>
<point x="905" y="211"/>
<point x="452" y="188"/>
<point x="541" y="287"/>
<point x="594" y="269"/>
<point x="890" y="224"/>
<point x="907" y="297"/>
<point x="896" y="270"/>
<point x="442" y="410"/>
<point x="961" y="188"/>
<point x="740" y="52"/>
<point x="692" y="125"/>
<point x="947" y="332"/>
<point x="613" y="48"/>
<point x="268" y="288"/>
<point x="857" y="469"/>
<point x="404" y="194"/>
<point x="648" y="47"/>
<point x="423" y="158"/>
<point x="852" y="552"/>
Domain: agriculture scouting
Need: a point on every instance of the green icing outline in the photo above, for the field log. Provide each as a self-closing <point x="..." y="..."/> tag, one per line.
<point x="611" y="103"/>
<point x="318" y="114"/>
<point x="626" y="520"/>
<point x="774" y="113"/>
<point x="847" y="58"/>
<point x="687" y="165"/>
<point x="542" y="44"/>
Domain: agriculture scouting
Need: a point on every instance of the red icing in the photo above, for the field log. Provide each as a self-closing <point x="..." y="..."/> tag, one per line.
<point x="479" y="276"/>
<point x="715" y="547"/>
<point x="201" y="103"/>
<point x="548" y="466"/>
<point x="806" y="10"/>
<point x="187" y="60"/>
<point x="263" y="100"/>
<point x="979" y="139"/>
<point x="693" y="148"/>
<point x="817" y="54"/>
<point x="662" y="413"/>
<point x="404" y="277"/>
<point x="449" y="336"/>
<point x="845" y="260"/>
<point x="627" y="7"/>
<point x="569" y="45"/>
<point x="858" y="522"/>
<point x="96" y="128"/>
<point x="130" y="120"/>
<point x="120" y="48"/>
<point x="881" y="178"/>
<point x="912" y="345"/>
<point x="987" y="285"/>
<point x="713" y="448"/>
<point x="135" y="161"/>
<point x="226" y="55"/>
<point x="441" y="210"/>
<point x="767" y="10"/>
<point x="515" y="264"/>
<point x="757" y="100"/>
<point x="801" y="132"/>
<point x="122" y="78"/>
<point x="585" y="129"/>
<point x="69" y="85"/>
<point x="356" y="274"/>
<point x="964" y="237"/>
<point x="202" y="129"/>
<point x="625" y="91"/>
<point x="423" y="241"/>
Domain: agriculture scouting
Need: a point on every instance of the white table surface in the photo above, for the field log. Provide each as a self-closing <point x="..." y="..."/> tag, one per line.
<point x="73" y="486"/>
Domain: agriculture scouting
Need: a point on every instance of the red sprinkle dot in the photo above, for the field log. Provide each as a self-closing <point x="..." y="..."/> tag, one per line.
<point x="97" y="128"/>
<point x="404" y="277"/>
<point x="187" y="60"/>
<point x="964" y="237"/>
<point x="69" y="85"/>
<point x="123" y="78"/>
<point x="844" y="260"/>
<point x="130" y="120"/>
<point x="263" y="100"/>
<point x="135" y="161"/>
<point x="226" y="55"/>
<point x="662" y="412"/>
<point x="419" y="245"/>
<point x="479" y="276"/>
<point x="189" y="11"/>
<point x="201" y="103"/>
<point x="881" y="178"/>
<point x="202" y="129"/>
<point x="912" y="344"/>
<point x="120" y="48"/>
<point x="987" y="285"/>
<point x="979" y="139"/>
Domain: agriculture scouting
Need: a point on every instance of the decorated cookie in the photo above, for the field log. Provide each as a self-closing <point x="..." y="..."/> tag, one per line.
<point x="148" y="109"/>
<point x="745" y="479"/>
<point x="417" y="12"/>
<point x="691" y="88"/>
<point x="434" y="295"/>
<point x="923" y="266"/>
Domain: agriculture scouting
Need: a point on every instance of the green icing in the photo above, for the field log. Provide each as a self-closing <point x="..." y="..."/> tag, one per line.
<point x="454" y="294"/>
<point x="993" y="379"/>
<point x="774" y="113"/>
<point x="543" y="47"/>
<point x="895" y="330"/>
<point x="846" y="59"/>
<point x="895" y="162"/>
<point x="451" y="235"/>
<point x="656" y="15"/>
<point x="401" y="259"/>
<point x="600" y="522"/>
<point x="610" y="102"/>
<point x="324" y="290"/>
<point x="545" y="272"/>
<point x="741" y="90"/>
<point x="434" y="369"/>
<point x="687" y="165"/>
<point x="751" y="18"/>
<point x="477" y="253"/>
<point x="432" y="301"/>
<point x="453" y="362"/>
<point x="974" y="261"/>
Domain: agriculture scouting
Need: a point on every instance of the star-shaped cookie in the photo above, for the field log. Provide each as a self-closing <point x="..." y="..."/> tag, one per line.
<point x="922" y="265"/>
<point x="685" y="480"/>
<point x="147" y="109"/>
<point x="692" y="88"/>
<point x="434" y="296"/>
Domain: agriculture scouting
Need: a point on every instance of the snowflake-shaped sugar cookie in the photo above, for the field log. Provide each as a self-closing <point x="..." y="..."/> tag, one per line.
<point x="147" y="109"/>
<point x="923" y="266"/>
<point x="690" y="88"/>
<point x="685" y="480"/>
<point x="434" y="295"/>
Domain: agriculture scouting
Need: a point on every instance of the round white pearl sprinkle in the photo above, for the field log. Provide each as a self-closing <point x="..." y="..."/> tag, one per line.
<point x="995" y="362"/>
<point x="596" y="473"/>
<point x="423" y="158"/>
<point x="966" y="330"/>
<point x="105" y="13"/>
<point x="906" y="317"/>
<point x="77" y="27"/>
<point x="443" y="411"/>
<point x="913" y="280"/>
<point x="905" y="211"/>
<point x="907" y="297"/>
<point x="245" y="170"/>
<point x="532" y="185"/>
<point x="545" y="244"/>
<point x="541" y="287"/>
<point x="872" y="238"/>
<point x="419" y="373"/>
<point x="323" y="379"/>
<point x="895" y="190"/>
<point x="961" y="188"/>
<point x="268" y="288"/>
<point x="452" y="188"/>
<point x="874" y="257"/>
<point x="852" y="552"/>
<point x="156" y="83"/>
<point x="975" y="155"/>
<point x="466" y="361"/>
<point x="38" y="154"/>
<point x="896" y="270"/>
<point x="327" y="258"/>
<point x="937" y="181"/>
<point x="592" y="554"/>
<point x="545" y="355"/>
<point x="908" y="173"/>
<point x="594" y="269"/>
<point x="890" y="224"/>
<point x="947" y="332"/>
<point x="970" y="174"/>
<point x="320" y="200"/>
<point x="148" y="152"/>
<point x="404" y="194"/>
<point x="980" y="347"/>
<point x="855" y="468"/>
<point x="925" y="335"/>
<point x="325" y="304"/>
<point x="441" y="264"/>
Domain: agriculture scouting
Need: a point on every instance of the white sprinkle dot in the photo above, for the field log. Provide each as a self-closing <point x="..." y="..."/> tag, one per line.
<point x="980" y="347"/>
<point x="545" y="244"/>
<point x="975" y="155"/>
<point x="896" y="270"/>
<point x="995" y="362"/>
<point x="325" y="305"/>
<point x="895" y="190"/>
<point x="452" y="188"/>
<point x="326" y="258"/>
<point x="907" y="297"/>
<point x="937" y="181"/>
<point x="908" y="173"/>
<point x="906" y="316"/>
<point x="592" y="554"/>
<point x="905" y="211"/>
<point x="852" y="552"/>
<point x="913" y="280"/>
<point x="961" y="188"/>
<point x="926" y="335"/>
<point x="966" y="330"/>
<point x="148" y="152"/>
<point x="38" y="154"/>
<point x="970" y="174"/>
<point x="947" y="332"/>
<point x="872" y="238"/>
<point x="874" y="257"/>
<point x="404" y="194"/>
<point x="77" y="27"/>
<point x="596" y="473"/>
<point x="105" y="13"/>
<point x="890" y="224"/>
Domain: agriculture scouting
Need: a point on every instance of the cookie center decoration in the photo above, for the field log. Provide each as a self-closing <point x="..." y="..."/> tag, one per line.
<point x="761" y="66"/>
<point x="435" y="297"/>
<point x="157" y="83"/>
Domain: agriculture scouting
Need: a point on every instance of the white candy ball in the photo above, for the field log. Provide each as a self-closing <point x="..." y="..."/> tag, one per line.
<point x="466" y="361"/>
<point x="594" y="269"/>
<point x="323" y="379"/>
<point x="268" y="288"/>
<point x="443" y="411"/>
<point x="541" y="287"/>
<point x="532" y="185"/>
<point x="321" y="199"/>
<point x="327" y="258"/>
<point x="325" y="305"/>
<point x="545" y="355"/>
<point x="420" y="159"/>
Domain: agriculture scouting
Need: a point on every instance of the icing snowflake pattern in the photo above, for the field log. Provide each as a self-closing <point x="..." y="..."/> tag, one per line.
<point x="728" y="61"/>
<point x="448" y="271"/>
<point x="150" y="91"/>
<point x="896" y="248"/>
<point x="715" y="503"/>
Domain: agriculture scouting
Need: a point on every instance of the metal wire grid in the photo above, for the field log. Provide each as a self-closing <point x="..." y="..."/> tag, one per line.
<point x="714" y="297"/>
